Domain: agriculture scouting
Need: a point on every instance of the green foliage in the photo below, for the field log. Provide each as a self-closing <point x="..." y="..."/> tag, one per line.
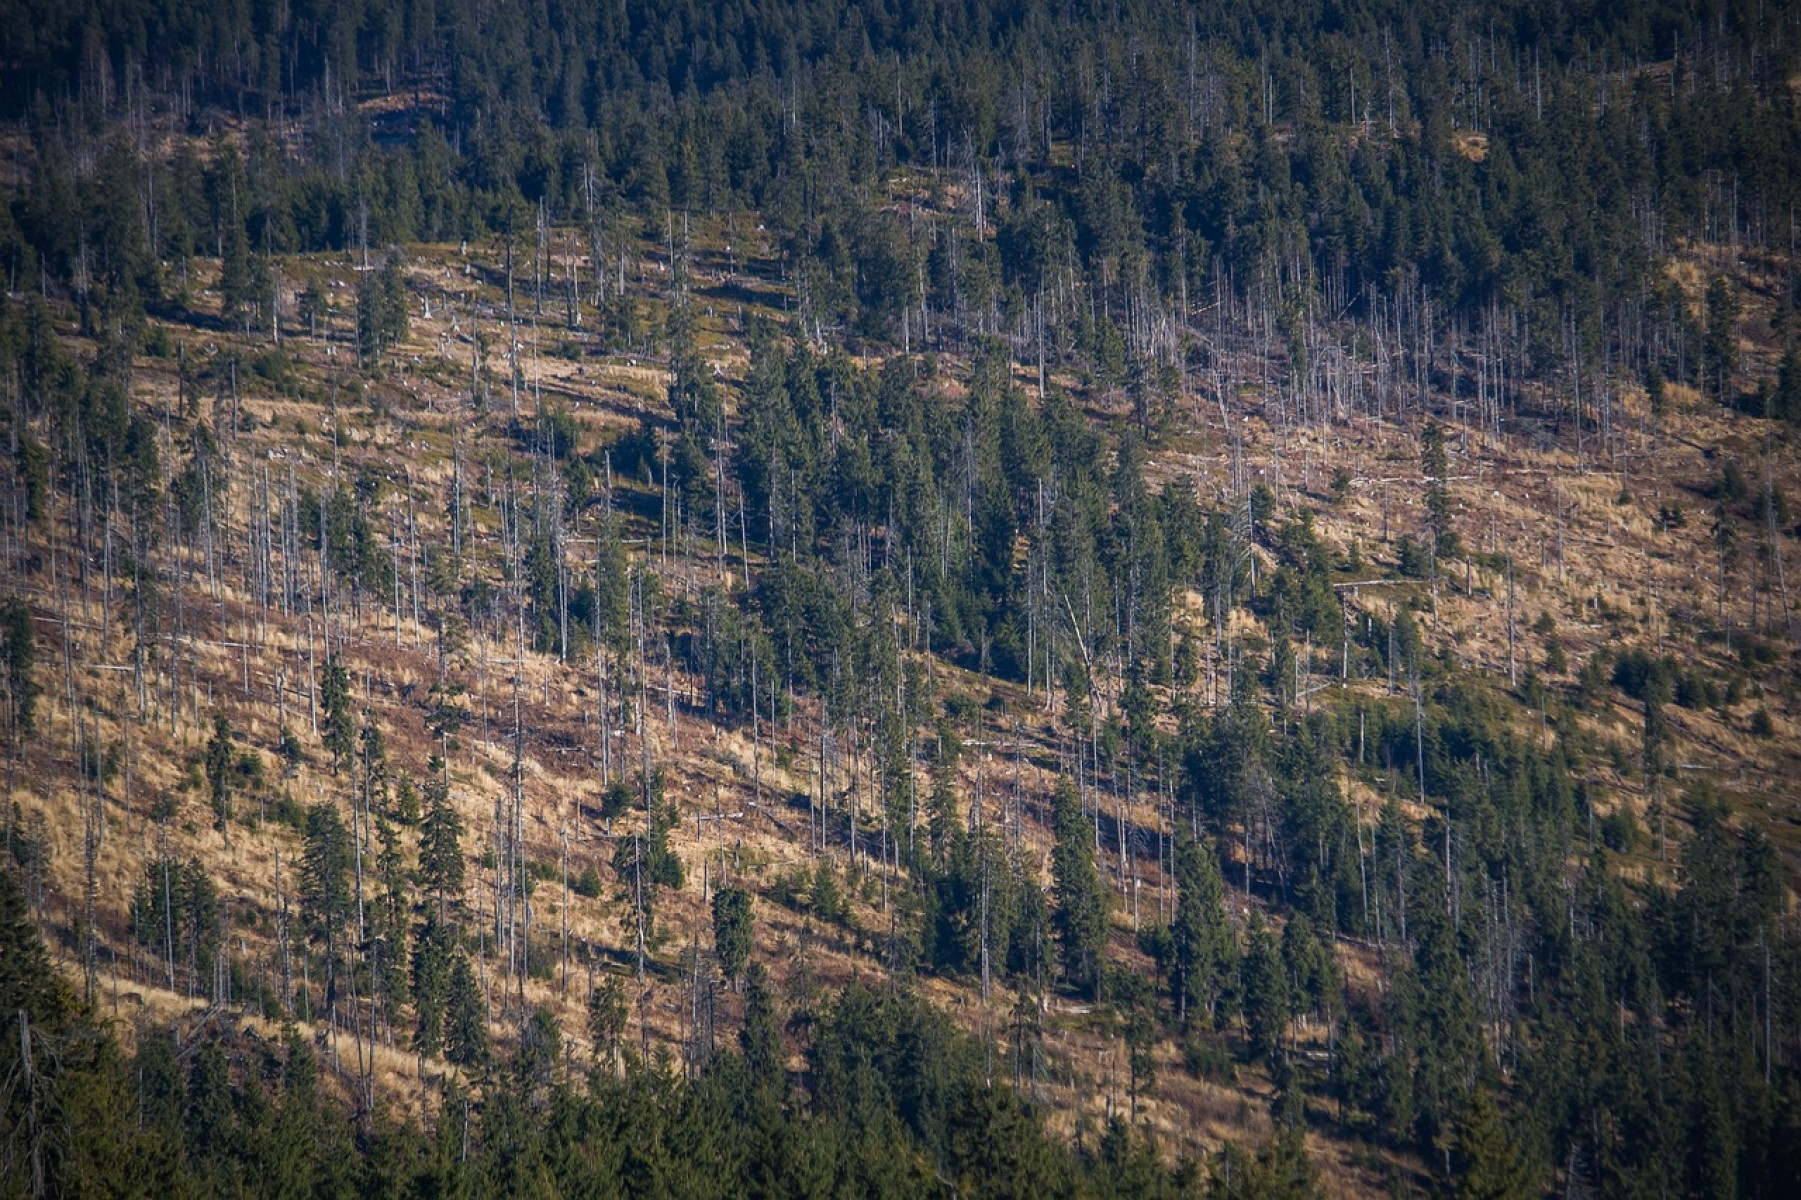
<point x="1279" y="1171"/>
<point x="1203" y="941"/>
<point x="1719" y="348"/>
<point x="606" y="1017"/>
<point x="325" y="897"/>
<point x="1266" y="993"/>
<point x="825" y="897"/>
<point x="982" y="186"/>
<point x="732" y="930"/>
<point x="1080" y="916"/>
<point x="432" y="961"/>
<point x="1411" y="559"/>
<point x="219" y="766"/>
<point x="175" y="912"/>
<point x="337" y="726"/>
<point x="33" y="468"/>
<point x="465" y="1017"/>
<point x="442" y="867"/>
<point x="644" y="863"/>
<point x="381" y="312"/>
<point x="66" y="1122"/>
<point x="1312" y="970"/>
<point x="18" y="657"/>
<point x="1435" y="464"/>
<point x="1491" y="1165"/>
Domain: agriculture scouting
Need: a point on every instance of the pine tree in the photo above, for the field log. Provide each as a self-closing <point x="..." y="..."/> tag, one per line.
<point x="441" y="865"/>
<point x="732" y="930"/>
<point x="1266" y="990"/>
<point x="236" y="282"/>
<point x="388" y="920"/>
<point x="28" y="983"/>
<point x="432" y="948"/>
<point x="334" y="697"/>
<point x="1719" y="346"/>
<point x="466" y="1019"/>
<point x="219" y="764"/>
<point x="1490" y="1163"/>
<point x="1439" y="519"/>
<point x="1786" y="404"/>
<point x="1449" y="1042"/>
<point x="381" y="312"/>
<point x="606" y="1018"/>
<point x="1279" y="1171"/>
<point x="325" y="900"/>
<point x="175" y="913"/>
<point x="1308" y="963"/>
<point x="1202" y="938"/>
<point x="18" y="657"/>
<point x="760" y="1041"/>
<point x="1080" y="919"/>
<point x="33" y="467"/>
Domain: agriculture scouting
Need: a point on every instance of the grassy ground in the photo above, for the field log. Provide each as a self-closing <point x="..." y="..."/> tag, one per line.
<point x="1581" y="524"/>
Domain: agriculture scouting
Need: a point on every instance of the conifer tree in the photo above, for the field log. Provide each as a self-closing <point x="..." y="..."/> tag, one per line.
<point x="431" y="968"/>
<point x="466" y="1019"/>
<point x="1080" y="918"/>
<point x="441" y="865"/>
<point x="339" y="726"/>
<point x="760" y="1041"/>
<point x="732" y="930"/>
<point x="1266" y="993"/>
<point x="1202" y="938"/>
<point x="1719" y="347"/>
<point x="18" y="657"/>
<point x="325" y="900"/>
<point x="219" y="765"/>
<point x="1435" y="464"/>
<point x="236" y="282"/>
<point x="606" y="1018"/>
<point x="1490" y="1163"/>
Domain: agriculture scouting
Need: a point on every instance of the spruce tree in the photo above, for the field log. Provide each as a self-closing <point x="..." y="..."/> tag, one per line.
<point x="1080" y="919"/>
<point x="606" y="1018"/>
<point x="1266" y="993"/>
<point x="732" y="930"/>
<point x="18" y="658"/>
<point x="760" y="1041"/>
<point x="1435" y="464"/>
<point x="1719" y="346"/>
<point x="432" y="949"/>
<point x="325" y="899"/>
<point x="334" y="698"/>
<point x="219" y="765"/>
<point x="1202" y="938"/>
<point x="1490" y="1163"/>
<point x="441" y="865"/>
<point x="466" y="1018"/>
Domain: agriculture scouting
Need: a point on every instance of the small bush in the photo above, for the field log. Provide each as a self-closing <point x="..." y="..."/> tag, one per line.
<point x="289" y="812"/>
<point x="1556" y="663"/>
<point x="1207" y="1059"/>
<point x="787" y="887"/>
<point x="1695" y="691"/>
<point x="1619" y="830"/>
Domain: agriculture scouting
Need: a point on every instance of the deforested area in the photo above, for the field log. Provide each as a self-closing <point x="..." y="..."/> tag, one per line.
<point x="980" y="598"/>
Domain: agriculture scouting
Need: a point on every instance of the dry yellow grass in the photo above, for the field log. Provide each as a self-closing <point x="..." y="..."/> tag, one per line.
<point x="1583" y="531"/>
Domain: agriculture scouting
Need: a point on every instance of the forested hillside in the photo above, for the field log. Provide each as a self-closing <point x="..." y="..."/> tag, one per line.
<point x="974" y="598"/>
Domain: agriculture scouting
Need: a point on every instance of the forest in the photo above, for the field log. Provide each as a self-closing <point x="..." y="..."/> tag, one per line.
<point x="966" y="597"/>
